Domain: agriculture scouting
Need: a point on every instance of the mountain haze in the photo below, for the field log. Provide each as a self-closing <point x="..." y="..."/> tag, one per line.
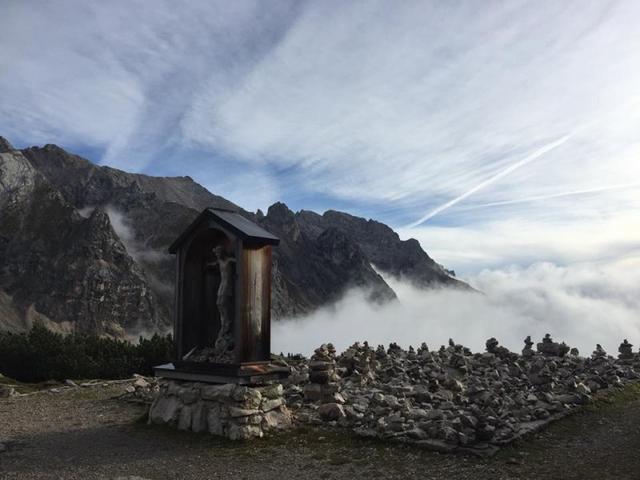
<point x="84" y="247"/>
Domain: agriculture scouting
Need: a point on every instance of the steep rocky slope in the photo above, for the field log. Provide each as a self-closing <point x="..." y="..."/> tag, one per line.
<point x="84" y="247"/>
<point x="313" y="271"/>
<point x="382" y="246"/>
<point x="71" y="272"/>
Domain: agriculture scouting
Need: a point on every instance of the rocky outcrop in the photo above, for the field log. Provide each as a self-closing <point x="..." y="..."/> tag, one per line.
<point x="382" y="247"/>
<point x="5" y="146"/>
<point x="72" y="273"/>
<point x="84" y="247"/>
<point x="84" y="184"/>
<point x="311" y="272"/>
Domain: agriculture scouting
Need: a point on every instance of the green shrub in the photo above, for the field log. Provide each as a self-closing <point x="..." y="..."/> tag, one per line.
<point x="44" y="355"/>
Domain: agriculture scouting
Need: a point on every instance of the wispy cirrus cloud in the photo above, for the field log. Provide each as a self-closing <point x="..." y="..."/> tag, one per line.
<point x="485" y="183"/>
<point x="519" y="238"/>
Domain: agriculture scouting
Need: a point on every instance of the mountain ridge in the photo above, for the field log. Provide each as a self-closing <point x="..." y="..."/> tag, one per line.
<point x="83" y="247"/>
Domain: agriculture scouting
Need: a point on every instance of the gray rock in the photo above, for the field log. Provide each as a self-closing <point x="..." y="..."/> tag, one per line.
<point x="215" y="422"/>
<point x="417" y="434"/>
<point x="269" y="404"/>
<point x="313" y="392"/>
<point x="6" y="391"/>
<point x="434" y="414"/>
<point x="331" y="411"/>
<point x="320" y="376"/>
<point x="189" y="395"/>
<point x="199" y="418"/>
<point x="165" y="410"/>
<point x="185" y="417"/>
<point x="141" y="382"/>
<point x="242" y="412"/>
<point x="279" y="419"/>
<point x="273" y="391"/>
<point x="217" y="392"/>
<point x="249" y="397"/>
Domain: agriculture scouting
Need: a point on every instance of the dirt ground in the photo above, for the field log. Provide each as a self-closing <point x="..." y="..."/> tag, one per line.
<point x="86" y="434"/>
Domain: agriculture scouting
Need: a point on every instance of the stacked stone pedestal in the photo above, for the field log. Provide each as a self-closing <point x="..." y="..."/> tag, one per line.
<point x="233" y="411"/>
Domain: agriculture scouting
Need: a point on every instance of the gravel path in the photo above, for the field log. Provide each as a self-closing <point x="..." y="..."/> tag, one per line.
<point x="84" y="434"/>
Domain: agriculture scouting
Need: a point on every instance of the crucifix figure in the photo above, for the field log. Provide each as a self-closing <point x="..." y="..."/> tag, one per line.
<point x="224" y="301"/>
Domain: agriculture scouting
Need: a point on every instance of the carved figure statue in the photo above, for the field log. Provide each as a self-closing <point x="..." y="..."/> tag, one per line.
<point x="224" y="301"/>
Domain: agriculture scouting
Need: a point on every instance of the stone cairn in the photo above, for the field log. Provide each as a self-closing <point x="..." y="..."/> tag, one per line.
<point x="233" y="411"/>
<point x="625" y="352"/>
<point x="323" y="386"/>
<point x="452" y="399"/>
<point x="527" y="351"/>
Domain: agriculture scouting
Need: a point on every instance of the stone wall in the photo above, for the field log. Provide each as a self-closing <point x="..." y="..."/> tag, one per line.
<point x="233" y="411"/>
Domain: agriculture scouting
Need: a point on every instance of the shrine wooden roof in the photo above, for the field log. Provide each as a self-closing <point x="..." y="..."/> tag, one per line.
<point x="248" y="231"/>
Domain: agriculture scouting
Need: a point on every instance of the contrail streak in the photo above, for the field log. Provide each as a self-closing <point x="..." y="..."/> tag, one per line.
<point x="606" y="188"/>
<point x="535" y="155"/>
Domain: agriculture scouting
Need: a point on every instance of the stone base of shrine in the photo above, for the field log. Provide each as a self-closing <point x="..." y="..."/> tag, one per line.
<point x="230" y="410"/>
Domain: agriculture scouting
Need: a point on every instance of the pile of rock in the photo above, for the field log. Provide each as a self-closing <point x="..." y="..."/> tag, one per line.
<point x="453" y="398"/>
<point x="141" y="390"/>
<point x="550" y="348"/>
<point x="234" y="411"/>
<point x="323" y="383"/>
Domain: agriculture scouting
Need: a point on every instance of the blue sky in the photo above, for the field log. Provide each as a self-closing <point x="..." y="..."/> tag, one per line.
<point x="496" y="133"/>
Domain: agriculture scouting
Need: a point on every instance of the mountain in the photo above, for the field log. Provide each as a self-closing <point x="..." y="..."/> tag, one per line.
<point x="84" y="247"/>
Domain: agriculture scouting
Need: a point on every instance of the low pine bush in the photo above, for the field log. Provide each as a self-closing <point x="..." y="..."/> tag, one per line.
<point x="41" y="355"/>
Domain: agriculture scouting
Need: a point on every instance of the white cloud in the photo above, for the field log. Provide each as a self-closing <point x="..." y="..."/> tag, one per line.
<point x="134" y="247"/>
<point x="422" y="102"/>
<point x="581" y="305"/>
<point x="120" y="75"/>
<point x="399" y="108"/>
<point x="528" y="238"/>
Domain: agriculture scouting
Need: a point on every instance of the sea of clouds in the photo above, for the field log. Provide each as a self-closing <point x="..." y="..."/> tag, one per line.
<point x="581" y="304"/>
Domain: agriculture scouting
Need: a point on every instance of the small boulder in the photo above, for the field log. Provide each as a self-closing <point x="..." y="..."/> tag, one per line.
<point x="6" y="391"/>
<point x="140" y="383"/>
<point x="331" y="411"/>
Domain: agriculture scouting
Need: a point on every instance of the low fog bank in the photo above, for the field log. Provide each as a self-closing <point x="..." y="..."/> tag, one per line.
<point x="582" y="304"/>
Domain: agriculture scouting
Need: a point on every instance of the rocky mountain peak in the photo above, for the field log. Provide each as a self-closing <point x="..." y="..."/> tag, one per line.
<point x="280" y="213"/>
<point x="5" y="146"/>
